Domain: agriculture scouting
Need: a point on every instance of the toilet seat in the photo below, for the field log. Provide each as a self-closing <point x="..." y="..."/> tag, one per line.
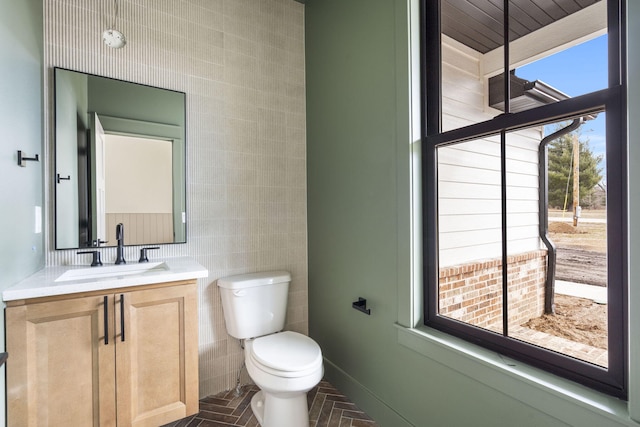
<point x="286" y="354"/>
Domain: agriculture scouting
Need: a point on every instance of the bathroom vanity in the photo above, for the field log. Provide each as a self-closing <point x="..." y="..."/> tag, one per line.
<point x="104" y="346"/>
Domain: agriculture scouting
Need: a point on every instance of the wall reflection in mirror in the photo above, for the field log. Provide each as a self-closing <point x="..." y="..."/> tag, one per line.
<point x="119" y="158"/>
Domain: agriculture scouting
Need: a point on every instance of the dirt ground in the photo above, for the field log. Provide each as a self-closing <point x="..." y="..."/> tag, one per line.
<point x="581" y="258"/>
<point x="581" y="252"/>
<point x="586" y="236"/>
<point x="580" y="266"/>
<point x="576" y="319"/>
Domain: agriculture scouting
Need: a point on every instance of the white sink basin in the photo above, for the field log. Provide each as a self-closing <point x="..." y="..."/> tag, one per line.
<point x="111" y="271"/>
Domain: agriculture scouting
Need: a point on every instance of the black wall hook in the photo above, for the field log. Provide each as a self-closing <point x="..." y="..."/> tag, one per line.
<point x="361" y="305"/>
<point x="22" y="158"/>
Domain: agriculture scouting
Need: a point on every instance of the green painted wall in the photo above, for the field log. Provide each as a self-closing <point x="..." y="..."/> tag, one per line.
<point x="21" y="249"/>
<point x="358" y="186"/>
<point x="633" y="77"/>
<point x="137" y="102"/>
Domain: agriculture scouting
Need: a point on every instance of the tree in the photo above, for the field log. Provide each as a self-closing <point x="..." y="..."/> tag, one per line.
<point x="560" y="169"/>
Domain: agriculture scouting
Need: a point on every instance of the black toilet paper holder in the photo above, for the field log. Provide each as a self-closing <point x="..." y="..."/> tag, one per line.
<point x="361" y="305"/>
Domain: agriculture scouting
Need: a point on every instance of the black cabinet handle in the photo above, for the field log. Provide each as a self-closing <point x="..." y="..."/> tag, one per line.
<point x="106" y="322"/>
<point x="121" y="317"/>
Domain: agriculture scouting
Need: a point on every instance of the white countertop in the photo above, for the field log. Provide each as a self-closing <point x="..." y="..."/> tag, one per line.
<point x="43" y="283"/>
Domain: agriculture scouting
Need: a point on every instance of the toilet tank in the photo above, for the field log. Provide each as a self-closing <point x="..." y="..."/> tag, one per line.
<point x="254" y="304"/>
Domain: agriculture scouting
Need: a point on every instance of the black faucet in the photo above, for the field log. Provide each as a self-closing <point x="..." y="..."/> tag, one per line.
<point x="97" y="242"/>
<point x="95" y="262"/>
<point x="143" y="253"/>
<point x="120" y="239"/>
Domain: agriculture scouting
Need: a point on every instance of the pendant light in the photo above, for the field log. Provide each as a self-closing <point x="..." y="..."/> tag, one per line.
<point x="112" y="37"/>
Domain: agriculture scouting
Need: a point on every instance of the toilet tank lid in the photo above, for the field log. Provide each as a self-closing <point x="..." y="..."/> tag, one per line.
<point x="252" y="280"/>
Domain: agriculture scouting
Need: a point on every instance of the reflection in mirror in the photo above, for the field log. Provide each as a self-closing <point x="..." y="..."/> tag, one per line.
<point x="119" y="158"/>
<point x="146" y="210"/>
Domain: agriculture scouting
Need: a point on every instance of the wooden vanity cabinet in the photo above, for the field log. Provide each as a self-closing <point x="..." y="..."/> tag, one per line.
<point x="126" y="357"/>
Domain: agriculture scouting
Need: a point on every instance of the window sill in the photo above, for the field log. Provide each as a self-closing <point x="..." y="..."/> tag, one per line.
<point x="565" y="400"/>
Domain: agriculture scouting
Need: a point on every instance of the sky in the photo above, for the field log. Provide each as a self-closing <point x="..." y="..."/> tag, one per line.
<point x="576" y="71"/>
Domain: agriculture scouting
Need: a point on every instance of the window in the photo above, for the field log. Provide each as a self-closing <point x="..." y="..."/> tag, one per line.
<point x="519" y="108"/>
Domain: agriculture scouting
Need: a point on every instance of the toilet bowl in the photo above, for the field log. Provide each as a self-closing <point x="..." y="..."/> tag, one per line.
<point x="284" y="365"/>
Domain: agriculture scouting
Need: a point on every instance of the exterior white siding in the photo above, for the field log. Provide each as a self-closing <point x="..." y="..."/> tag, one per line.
<point x="469" y="192"/>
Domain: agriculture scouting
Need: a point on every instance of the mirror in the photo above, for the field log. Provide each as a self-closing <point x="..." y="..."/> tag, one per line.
<point x="119" y="158"/>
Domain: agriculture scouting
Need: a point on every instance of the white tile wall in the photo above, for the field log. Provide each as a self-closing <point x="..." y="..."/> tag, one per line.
<point x="241" y="64"/>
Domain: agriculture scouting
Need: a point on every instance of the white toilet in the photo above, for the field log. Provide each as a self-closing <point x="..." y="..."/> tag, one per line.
<point x="285" y="365"/>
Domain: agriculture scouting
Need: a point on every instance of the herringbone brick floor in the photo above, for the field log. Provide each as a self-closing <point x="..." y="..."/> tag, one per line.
<point x="327" y="408"/>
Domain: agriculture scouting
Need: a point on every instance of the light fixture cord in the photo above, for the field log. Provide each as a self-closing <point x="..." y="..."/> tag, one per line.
<point x="115" y="15"/>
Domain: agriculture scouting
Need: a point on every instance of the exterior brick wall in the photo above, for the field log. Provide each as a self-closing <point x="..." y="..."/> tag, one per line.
<point x="472" y="292"/>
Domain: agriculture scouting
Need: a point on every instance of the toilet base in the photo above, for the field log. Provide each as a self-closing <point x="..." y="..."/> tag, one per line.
<point x="288" y="410"/>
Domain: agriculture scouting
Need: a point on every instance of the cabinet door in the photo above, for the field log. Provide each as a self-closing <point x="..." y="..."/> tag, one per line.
<point x="157" y="355"/>
<point x="61" y="371"/>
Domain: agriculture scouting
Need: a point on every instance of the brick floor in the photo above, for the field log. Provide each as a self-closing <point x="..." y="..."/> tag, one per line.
<point x="327" y="408"/>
